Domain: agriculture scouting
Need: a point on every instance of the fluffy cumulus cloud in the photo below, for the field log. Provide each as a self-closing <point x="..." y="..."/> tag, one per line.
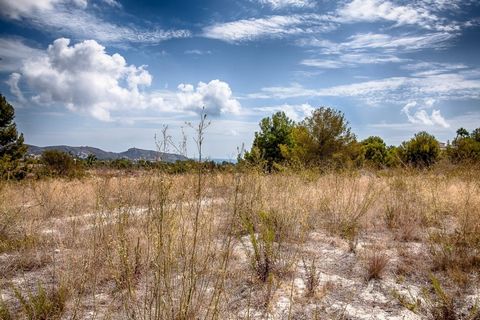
<point x="215" y="96"/>
<point x="417" y="114"/>
<point x="85" y="78"/>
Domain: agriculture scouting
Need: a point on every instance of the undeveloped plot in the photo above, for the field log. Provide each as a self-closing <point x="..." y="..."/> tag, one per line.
<point x="357" y="245"/>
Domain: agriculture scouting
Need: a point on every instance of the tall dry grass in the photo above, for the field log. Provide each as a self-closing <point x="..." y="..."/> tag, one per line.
<point x="230" y="245"/>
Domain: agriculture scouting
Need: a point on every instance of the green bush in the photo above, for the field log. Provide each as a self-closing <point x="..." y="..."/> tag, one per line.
<point x="60" y="163"/>
<point x="422" y="150"/>
<point x="375" y="151"/>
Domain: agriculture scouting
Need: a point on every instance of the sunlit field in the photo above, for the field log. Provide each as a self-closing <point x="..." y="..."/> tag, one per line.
<point x="389" y="244"/>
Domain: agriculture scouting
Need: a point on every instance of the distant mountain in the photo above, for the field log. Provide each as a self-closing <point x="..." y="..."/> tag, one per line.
<point x="133" y="154"/>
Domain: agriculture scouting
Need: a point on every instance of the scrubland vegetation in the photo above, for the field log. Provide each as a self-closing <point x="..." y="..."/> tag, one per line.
<point x="311" y="224"/>
<point x="341" y="245"/>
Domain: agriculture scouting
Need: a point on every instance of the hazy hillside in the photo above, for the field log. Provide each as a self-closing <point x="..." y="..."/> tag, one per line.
<point x="131" y="154"/>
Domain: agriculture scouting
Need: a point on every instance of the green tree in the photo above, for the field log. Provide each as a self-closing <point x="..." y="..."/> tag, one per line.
<point x="422" y="150"/>
<point x="275" y="132"/>
<point x="476" y="135"/>
<point x="465" y="147"/>
<point x="375" y="151"/>
<point x="462" y="132"/>
<point x="12" y="147"/>
<point x="324" y="137"/>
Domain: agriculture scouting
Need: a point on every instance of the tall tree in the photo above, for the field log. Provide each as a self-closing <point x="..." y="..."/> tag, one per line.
<point x="12" y="147"/>
<point x="325" y="136"/>
<point x="274" y="133"/>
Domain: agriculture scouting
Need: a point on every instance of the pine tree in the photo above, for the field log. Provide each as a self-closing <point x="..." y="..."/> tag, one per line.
<point x="12" y="148"/>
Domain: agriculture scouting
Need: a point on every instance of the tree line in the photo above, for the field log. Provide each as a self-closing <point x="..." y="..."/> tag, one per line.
<point x="325" y="139"/>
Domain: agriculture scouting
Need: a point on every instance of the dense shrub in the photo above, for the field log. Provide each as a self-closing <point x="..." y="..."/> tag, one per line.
<point x="375" y="151"/>
<point x="422" y="150"/>
<point x="60" y="163"/>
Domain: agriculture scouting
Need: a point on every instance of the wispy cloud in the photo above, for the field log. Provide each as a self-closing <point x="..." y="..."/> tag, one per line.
<point x="197" y="52"/>
<point x="269" y="27"/>
<point x="350" y="60"/>
<point x="392" y="90"/>
<point x="13" y="51"/>
<point x="281" y="4"/>
<point x="362" y="42"/>
<point x="381" y="10"/>
<point x="425" y="68"/>
<point x="73" y="18"/>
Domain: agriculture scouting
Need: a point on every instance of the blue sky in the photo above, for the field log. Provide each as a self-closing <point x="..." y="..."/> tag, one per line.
<point x="111" y="73"/>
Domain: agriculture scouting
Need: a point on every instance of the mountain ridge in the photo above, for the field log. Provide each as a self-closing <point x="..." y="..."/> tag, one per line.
<point x="133" y="154"/>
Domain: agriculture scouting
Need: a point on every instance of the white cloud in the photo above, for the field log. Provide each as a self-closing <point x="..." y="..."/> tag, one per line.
<point x="395" y="90"/>
<point x="420" y="116"/>
<point x="13" y="52"/>
<point x="268" y="27"/>
<point x="323" y="63"/>
<point x="12" y="82"/>
<point x="280" y="4"/>
<point x="84" y="77"/>
<point x="71" y="17"/>
<point x="15" y="9"/>
<point x="197" y="52"/>
<point x="378" y="10"/>
<point x="215" y="96"/>
<point x="433" y="68"/>
<point x="406" y="42"/>
<point x="113" y="3"/>
<point x="363" y="42"/>
<point x="350" y="60"/>
<point x="355" y="89"/>
<point x="296" y="112"/>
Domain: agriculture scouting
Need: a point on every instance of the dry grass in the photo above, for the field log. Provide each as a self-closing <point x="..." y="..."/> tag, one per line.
<point x="376" y="264"/>
<point x="237" y="245"/>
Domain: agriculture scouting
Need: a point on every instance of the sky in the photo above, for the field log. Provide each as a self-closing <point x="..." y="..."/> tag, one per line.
<point x="112" y="73"/>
